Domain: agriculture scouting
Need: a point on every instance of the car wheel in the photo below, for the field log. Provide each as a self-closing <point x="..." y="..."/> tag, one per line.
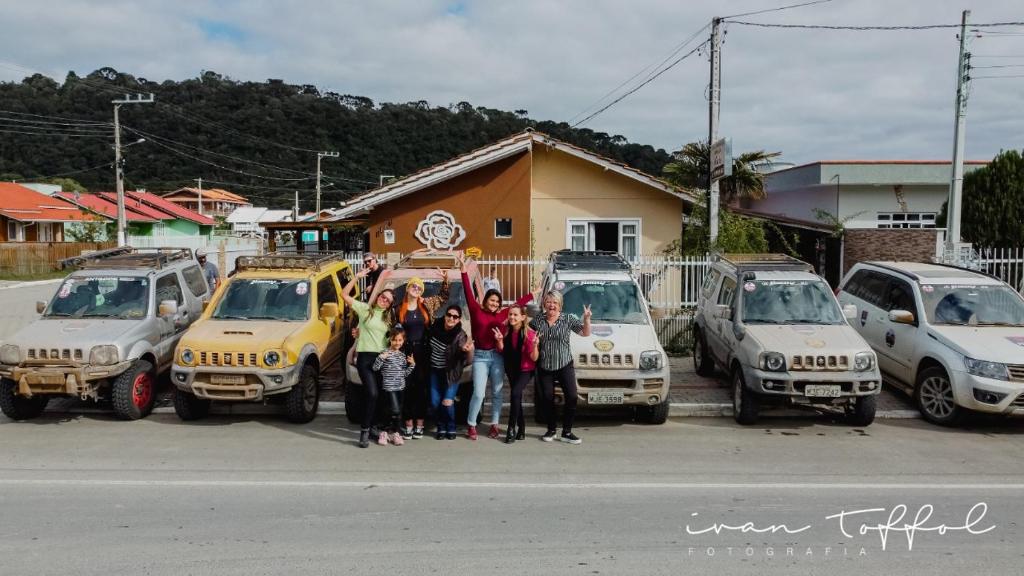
<point x="355" y="403"/>
<point x="863" y="412"/>
<point x="133" y="392"/>
<point x="656" y="414"/>
<point x="188" y="407"/>
<point x="744" y="402"/>
<point x="934" y="396"/>
<point x="303" y="399"/>
<point x="702" y="363"/>
<point x="17" y="407"/>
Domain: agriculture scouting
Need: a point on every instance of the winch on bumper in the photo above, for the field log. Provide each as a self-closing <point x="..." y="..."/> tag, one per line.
<point x="604" y="387"/>
<point x="234" y="383"/>
<point x="76" y="380"/>
<point x="813" y="387"/>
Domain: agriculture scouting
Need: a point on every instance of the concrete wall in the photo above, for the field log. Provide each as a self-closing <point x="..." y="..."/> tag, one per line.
<point x="908" y="245"/>
<point x="862" y="203"/>
<point x="568" y="187"/>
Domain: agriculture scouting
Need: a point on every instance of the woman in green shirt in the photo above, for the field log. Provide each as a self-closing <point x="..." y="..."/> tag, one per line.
<point x="374" y="323"/>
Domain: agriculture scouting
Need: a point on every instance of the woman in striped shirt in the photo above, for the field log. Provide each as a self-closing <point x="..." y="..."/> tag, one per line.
<point x="555" y="363"/>
<point x="450" y="351"/>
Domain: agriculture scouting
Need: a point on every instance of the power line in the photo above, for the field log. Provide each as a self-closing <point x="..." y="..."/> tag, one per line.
<point x="61" y="134"/>
<point x="867" y="28"/>
<point x="106" y="165"/>
<point x="998" y="66"/>
<point x="777" y="9"/>
<point x="75" y="120"/>
<point x="1002" y="76"/>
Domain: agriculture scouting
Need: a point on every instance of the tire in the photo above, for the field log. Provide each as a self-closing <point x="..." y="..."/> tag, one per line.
<point x="188" y="407"/>
<point x="702" y="362"/>
<point x="355" y="403"/>
<point x="656" y="414"/>
<point x="745" y="403"/>
<point x="303" y="399"/>
<point x="863" y="412"/>
<point x="18" y="407"/>
<point x="133" y="392"/>
<point x="934" y="397"/>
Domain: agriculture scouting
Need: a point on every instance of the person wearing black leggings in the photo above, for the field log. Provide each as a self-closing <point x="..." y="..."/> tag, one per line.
<point x="374" y="323"/>
<point x="519" y="348"/>
<point x="555" y="363"/>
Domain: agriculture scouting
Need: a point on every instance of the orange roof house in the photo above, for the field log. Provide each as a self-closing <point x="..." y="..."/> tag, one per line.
<point x="28" y="216"/>
<point x="216" y="202"/>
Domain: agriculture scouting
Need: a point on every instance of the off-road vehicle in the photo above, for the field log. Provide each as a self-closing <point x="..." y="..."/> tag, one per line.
<point x="773" y="325"/>
<point x="621" y="362"/>
<point x="107" y="333"/>
<point x="271" y="331"/>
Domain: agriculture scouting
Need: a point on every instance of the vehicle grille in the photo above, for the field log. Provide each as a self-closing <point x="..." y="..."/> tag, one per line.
<point x="593" y="383"/>
<point x="819" y="362"/>
<point x="605" y="361"/>
<point x="1016" y="372"/>
<point x="56" y="354"/>
<point x="227" y="359"/>
<point x="1018" y="401"/>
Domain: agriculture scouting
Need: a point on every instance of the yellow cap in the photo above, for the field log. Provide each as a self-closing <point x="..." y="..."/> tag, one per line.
<point x="415" y="281"/>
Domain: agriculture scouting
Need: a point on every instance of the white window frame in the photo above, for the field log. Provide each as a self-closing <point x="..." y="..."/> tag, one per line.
<point x="589" y="231"/>
<point x="496" y="229"/>
<point x="45" y="232"/>
<point x="19" y="231"/>
<point x="902" y="220"/>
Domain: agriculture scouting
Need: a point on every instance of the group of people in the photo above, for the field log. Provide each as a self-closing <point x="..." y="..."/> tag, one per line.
<point x="411" y="359"/>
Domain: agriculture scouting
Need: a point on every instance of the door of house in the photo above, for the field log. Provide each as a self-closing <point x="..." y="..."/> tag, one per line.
<point x="612" y="234"/>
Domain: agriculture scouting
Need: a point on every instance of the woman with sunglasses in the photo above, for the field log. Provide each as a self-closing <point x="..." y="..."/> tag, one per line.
<point x="450" y="351"/>
<point x="415" y="313"/>
<point x="374" y="323"/>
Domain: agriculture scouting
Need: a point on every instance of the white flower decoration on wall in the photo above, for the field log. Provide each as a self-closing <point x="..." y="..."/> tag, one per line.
<point x="439" y="231"/>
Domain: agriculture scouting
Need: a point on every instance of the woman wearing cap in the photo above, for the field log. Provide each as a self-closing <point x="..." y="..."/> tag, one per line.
<point x="415" y="313"/>
<point x="374" y="323"/>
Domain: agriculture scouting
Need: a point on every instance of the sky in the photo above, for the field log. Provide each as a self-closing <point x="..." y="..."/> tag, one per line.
<point x="809" y="94"/>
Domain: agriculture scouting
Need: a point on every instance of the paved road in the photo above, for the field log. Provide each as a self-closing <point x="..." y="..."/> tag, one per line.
<point x="18" y="303"/>
<point x="254" y="495"/>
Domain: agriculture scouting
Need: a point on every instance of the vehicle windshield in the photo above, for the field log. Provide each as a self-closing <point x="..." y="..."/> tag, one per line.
<point x="101" y="297"/>
<point x="983" y="305"/>
<point x="264" y="299"/>
<point x="611" y="301"/>
<point x="789" y="302"/>
<point x="431" y="287"/>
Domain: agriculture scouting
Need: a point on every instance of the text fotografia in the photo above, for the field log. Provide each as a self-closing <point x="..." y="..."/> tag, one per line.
<point x="885" y="523"/>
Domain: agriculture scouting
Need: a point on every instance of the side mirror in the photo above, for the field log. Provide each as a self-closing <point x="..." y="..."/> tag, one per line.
<point x="168" y="308"/>
<point x="206" y="304"/>
<point x="723" y="311"/>
<point x="328" y="310"/>
<point x="40" y="307"/>
<point x="901" y="316"/>
<point x="850" y="311"/>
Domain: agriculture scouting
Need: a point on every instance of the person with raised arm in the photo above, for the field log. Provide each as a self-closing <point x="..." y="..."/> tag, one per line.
<point x="374" y="323"/>
<point x="555" y="364"/>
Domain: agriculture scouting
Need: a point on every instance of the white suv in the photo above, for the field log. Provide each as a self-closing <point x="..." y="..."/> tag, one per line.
<point x="953" y="338"/>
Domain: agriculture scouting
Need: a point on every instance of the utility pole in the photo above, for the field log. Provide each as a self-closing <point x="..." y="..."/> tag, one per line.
<point x="319" y="156"/>
<point x="714" y="97"/>
<point x="955" y="203"/>
<point x="199" y="181"/>
<point x="122" y="234"/>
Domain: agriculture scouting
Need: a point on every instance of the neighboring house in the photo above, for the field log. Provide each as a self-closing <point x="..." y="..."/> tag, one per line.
<point x="248" y="221"/>
<point x="139" y="223"/>
<point x="216" y="202"/>
<point x="29" y="216"/>
<point x="524" y="196"/>
<point x="182" y="221"/>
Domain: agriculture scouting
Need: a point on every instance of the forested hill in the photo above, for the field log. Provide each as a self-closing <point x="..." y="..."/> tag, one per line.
<point x="255" y="138"/>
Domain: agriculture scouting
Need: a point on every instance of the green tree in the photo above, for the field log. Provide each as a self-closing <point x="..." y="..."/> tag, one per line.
<point x="736" y="234"/>
<point x="690" y="168"/>
<point x="993" y="203"/>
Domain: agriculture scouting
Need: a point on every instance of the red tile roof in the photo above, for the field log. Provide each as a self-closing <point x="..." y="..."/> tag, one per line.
<point x="209" y="194"/>
<point x="25" y="205"/>
<point x="137" y="205"/>
<point x="171" y="208"/>
<point x="104" y="206"/>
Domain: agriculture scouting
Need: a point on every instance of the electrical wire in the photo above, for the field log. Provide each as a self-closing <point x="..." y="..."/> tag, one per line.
<point x="867" y="28"/>
<point x="778" y="9"/>
<point x="60" y="134"/>
<point x="998" y="66"/>
<point x="74" y="120"/>
<point x="215" y="165"/>
<point x="104" y="165"/>
<point x="1001" y="76"/>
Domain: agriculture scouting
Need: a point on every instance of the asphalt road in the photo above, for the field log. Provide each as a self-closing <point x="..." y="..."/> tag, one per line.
<point x="18" y="303"/>
<point x="254" y="495"/>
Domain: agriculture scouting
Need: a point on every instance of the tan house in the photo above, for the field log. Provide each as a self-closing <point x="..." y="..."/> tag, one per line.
<point x="215" y="202"/>
<point x="524" y="196"/>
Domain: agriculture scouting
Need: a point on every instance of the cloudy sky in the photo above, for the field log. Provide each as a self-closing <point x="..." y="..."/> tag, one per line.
<point x="811" y="94"/>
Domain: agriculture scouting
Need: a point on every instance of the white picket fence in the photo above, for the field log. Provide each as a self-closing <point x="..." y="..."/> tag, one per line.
<point x="1006" y="264"/>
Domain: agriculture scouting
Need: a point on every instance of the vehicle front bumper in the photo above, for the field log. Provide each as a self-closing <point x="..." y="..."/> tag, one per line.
<point x="256" y="383"/>
<point x="79" y="380"/>
<point x="638" y="387"/>
<point x="792" y="384"/>
<point x="964" y="385"/>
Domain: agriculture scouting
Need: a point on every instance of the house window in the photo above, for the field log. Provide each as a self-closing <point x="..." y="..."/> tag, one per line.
<point x="15" y="232"/>
<point x="502" y="227"/>
<point x="906" y="220"/>
<point x="578" y="236"/>
<point x="614" y="235"/>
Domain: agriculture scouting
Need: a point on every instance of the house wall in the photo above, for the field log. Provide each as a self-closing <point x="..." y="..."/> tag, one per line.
<point x="568" y="187"/>
<point x="180" y="228"/>
<point x="475" y="199"/>
<point x="861" y="203"/>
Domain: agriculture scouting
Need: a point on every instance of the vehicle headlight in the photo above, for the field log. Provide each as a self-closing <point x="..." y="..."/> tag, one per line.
<point x="10" y="354"/>
<point x="651" y="360"/>
<point x="103" y="355"/>
<point x="863" y="361"/>
<point x="986" y="369"/>
<point x="773" y="362"/>
<point x="188" y="357"/>
<point x="271" y="358"/>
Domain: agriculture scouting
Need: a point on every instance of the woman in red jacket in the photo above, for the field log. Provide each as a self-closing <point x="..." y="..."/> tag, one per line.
<point x="520" y="349"/>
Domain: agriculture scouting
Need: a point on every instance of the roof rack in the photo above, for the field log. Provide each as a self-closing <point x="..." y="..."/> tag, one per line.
<point x="426" y="258"/>
<point x="128" y="257"/>
<point x="287" y="261"/>
<point x="588" y="260"/>
<point x="766" y="262"/>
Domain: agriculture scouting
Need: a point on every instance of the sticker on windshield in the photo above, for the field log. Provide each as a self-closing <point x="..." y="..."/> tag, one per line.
<point x="784" y="283"/>
<point x="927" y="288"/>
<point x="559" y="285"/>
<point x="301" y="288"/>
<point x="1018" y="340"/>
<point x="65" y="290"/>
<point x="749" y="287"/>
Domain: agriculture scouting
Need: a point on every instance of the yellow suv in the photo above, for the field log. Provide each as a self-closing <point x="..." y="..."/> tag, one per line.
<point x="271" y="330"/>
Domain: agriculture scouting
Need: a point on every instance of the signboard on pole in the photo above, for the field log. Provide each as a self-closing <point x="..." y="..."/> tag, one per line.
<point x="721" y="159"/>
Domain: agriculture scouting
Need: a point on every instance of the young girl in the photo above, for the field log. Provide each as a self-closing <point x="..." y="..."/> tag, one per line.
<point x="373" y="329"/>
<point x="520" y="349"/>
<point x="450" y="351"/>
<point x="394" y="367"/>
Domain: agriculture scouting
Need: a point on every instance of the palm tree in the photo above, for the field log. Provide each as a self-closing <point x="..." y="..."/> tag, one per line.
<point x="690" y="169"/>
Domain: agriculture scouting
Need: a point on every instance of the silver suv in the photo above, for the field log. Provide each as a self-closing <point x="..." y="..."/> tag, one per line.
<point x="108" y="332"/>
<point x="777" y="330"/>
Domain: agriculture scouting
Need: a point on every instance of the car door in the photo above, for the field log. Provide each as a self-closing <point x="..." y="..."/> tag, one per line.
<point x="168" y="288"/>
<point x="866" y="290"/>
<point x="721" y="327"/>
<point x="899" y="341"/>
<point x="326" y="292"/>
<point x="197" y="291"/>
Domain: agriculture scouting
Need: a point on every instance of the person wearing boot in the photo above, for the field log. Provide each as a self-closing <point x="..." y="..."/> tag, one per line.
<point x="520" y="349"/>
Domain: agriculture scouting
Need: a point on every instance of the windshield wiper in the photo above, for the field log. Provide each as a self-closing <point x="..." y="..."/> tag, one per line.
<point x="264" y="318"/>
<point x="761" y="321"/>
<point x="230" y="317"/>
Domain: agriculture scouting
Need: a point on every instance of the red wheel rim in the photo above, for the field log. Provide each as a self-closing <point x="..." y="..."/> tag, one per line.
<point x="142" y="390"/>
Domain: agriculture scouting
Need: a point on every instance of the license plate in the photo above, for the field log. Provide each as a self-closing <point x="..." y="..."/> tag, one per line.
<point x="823" y="391"/>
<point x="227" y="379"/>
<point x="605" y="397"/>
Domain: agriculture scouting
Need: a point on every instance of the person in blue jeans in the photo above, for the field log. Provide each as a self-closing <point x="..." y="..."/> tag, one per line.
<point x="450" y="351"/>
